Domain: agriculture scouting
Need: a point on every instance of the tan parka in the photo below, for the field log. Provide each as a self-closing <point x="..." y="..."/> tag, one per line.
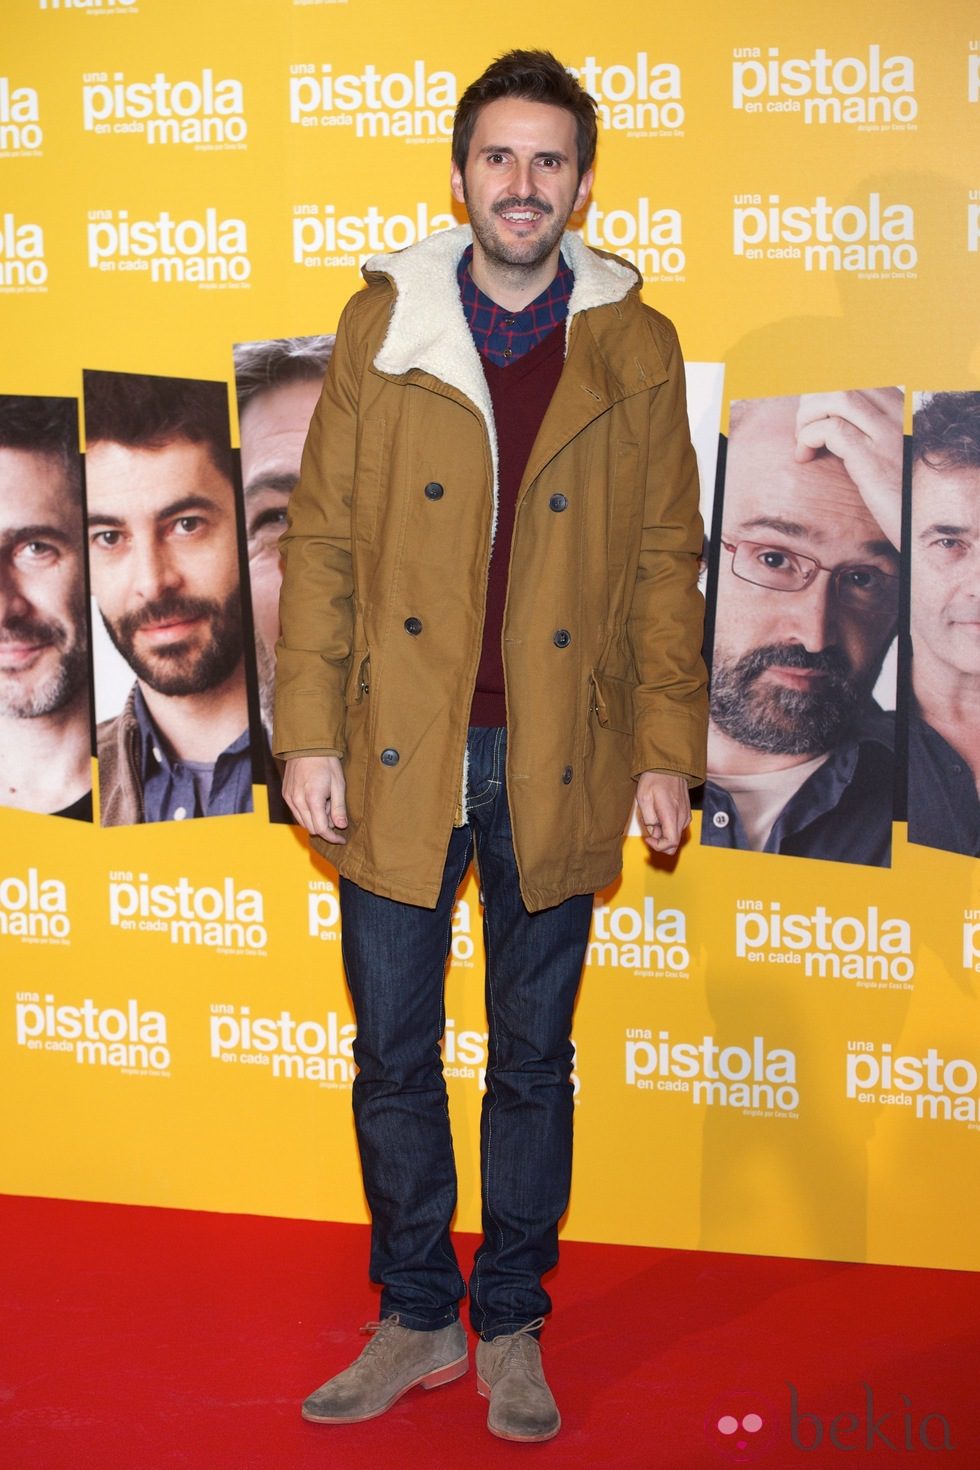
<point x="386" y="554"/>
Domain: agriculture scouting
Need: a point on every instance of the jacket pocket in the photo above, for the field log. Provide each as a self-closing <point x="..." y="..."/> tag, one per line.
<point x="613" y="702"/>
<point x="357" y="736"/>
<point x="359" y="678"/>
<point x="608" y="786"/>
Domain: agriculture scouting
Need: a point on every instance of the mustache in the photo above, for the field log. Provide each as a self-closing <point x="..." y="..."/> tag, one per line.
<point x="830" y="661"/>
<point x="162" y="609"/>
<point x="530" y="202"/>
<point x="32" y="630"/>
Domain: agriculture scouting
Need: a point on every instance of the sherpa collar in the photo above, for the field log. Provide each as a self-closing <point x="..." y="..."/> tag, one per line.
<point x="428" y="329"/>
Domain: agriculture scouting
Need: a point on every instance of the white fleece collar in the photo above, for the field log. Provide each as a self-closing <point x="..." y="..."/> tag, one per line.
<point x="428" y="330"/>
<point x="428" y="327"/>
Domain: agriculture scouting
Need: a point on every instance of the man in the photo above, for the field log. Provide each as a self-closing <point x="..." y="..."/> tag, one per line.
<point x="799" y="755"/>
<point x="489" y="617"/>
<point x="163" y="555"/>
<point x="278" y="383"/>
<point x="45" y="740"/>
<point x="944" y="734"/>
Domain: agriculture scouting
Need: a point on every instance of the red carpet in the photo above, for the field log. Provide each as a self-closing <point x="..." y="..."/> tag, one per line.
<point x="143" y="1339"/>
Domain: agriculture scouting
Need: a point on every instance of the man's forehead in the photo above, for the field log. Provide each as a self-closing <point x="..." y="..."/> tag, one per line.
<point x="935" y="486"/>
<point x="274" y="424"/>
<point x="30" y="482"/>
<point x="511" y="121"/>
<point x="147" y="475"/>
<point x="818" y="499"/>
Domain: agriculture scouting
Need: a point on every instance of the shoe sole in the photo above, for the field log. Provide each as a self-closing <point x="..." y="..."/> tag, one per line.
<point x="435" y="1379"/>
<point x="483" y="1388"/>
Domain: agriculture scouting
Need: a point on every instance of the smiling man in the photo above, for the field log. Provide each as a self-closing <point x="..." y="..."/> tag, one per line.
<point x="163" y="558"/>
<point x="45" y="741"/>
<point x="944" y="737"/>
<point x="491" y="638"/>
<point x="799" y="755"/>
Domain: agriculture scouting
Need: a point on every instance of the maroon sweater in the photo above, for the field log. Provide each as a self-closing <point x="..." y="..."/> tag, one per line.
<point x="520" y="394"/>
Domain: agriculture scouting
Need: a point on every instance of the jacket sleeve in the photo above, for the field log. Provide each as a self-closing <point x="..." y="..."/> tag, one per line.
<point x="666" y="623"/>
<point x="313" y="654"/>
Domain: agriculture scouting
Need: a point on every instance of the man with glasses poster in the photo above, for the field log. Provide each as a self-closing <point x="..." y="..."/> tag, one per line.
<point x="800" y="752"/>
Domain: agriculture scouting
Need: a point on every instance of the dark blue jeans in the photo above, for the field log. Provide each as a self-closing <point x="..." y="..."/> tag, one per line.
<point x="395" y="956"/>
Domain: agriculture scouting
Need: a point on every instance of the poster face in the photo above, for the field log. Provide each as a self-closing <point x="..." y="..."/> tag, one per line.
<point x="173" y="736"/>
<point x="944" y="752"/>
<point x="45" y="745"/>
<point x="801" y="740"/>
<point x="277" y="383"/>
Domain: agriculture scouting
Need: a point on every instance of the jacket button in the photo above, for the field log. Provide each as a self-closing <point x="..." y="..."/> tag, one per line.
<point x="434" y="491"/>
<point x="558" y="502"/>
<point x="562" y="638"/>
<point x="566" y="776"/>
<point x="389" y="757"/>
<point x="720" y="819"/>
<point x="413" y="626"/>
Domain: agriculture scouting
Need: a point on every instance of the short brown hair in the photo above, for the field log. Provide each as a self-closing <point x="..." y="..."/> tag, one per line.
<point x="536" y="76"/>
<point x="946" y="431"/>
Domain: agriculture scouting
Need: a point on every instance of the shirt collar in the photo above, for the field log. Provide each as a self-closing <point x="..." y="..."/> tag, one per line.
<point x="153" y="753"/>
<point x="504" y="335"/>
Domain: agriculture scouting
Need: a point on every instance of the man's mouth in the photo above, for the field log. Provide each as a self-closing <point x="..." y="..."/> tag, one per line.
<point x="169" y="631"/>
<point x="522" y="213"/>
<point x="18" y="655"/>
<point x="794" y="678"/>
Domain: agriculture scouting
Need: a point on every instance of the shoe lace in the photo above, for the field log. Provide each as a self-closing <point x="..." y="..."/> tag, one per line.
<point x="382" y="1337"/>
<point x="518" y="1344"/>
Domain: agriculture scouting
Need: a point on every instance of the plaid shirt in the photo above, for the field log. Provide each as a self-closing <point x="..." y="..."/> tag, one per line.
<point x="501" y="335"/>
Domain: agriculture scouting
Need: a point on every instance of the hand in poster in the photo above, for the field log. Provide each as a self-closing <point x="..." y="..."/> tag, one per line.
<point x="864" y="430"/>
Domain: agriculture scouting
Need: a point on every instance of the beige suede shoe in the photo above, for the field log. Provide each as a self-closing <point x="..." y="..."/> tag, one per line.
<point x="396" y="1359"/>
<point x="509" y="1374"/>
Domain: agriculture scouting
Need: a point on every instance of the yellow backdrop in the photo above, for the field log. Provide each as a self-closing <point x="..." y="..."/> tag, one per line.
<point x="799" y="186"/>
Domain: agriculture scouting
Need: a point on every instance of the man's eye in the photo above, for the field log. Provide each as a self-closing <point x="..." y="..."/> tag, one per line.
<point x="863" y="579"/>
<point x="106" y="539"/>
<point x="269" y="521"/>
<point x="187" y="525"/>
<point x="35" y="551"/>
<point x="950" y="543"/>
<point x="775" y="561"/>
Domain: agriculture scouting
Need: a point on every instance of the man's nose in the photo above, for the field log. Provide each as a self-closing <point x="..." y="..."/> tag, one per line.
<point x="966" y="571"/>
<point x="523" y="187"/>
<point x="13" y="603"/>
<point x="812" y="616"/>
<point x="153" y="568"/>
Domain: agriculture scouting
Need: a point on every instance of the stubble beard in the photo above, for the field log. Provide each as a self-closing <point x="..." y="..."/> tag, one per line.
<point x="183" y="668"/>
<point x="521" y="257"/>
<point x="63" y="684"/>
<point x="265" y="660"/>
<point x="778" y="720"/>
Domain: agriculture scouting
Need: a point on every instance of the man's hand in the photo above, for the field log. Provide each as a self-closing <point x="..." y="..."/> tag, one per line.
<point x="315" y="793"/>
<point x="864" y="430"/>
<point x="665" y="809"/>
